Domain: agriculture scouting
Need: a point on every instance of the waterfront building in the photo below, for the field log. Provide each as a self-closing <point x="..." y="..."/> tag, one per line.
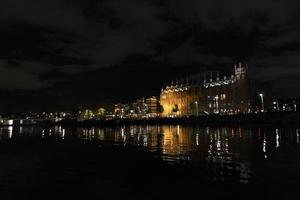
<point x="143" y="107"/>
<point x="287" y="105"/>
<point x="119" y="110"/>
<point x="227" y="95"/>
<point x="180" y="99"/>
<point x="152" y="105"/>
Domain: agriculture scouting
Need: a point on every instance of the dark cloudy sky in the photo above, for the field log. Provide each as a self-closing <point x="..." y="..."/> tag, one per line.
<point x="65" y="53"/>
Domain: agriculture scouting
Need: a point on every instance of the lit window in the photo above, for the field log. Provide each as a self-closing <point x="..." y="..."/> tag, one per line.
<point x="223" y="96"/>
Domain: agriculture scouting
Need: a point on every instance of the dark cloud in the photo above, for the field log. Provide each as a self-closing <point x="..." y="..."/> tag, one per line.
<point x="54" y="13"/>
<point x="89" y="51"/>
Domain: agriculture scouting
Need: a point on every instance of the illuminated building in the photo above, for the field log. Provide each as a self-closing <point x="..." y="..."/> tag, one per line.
<point x="143" y="107"/>
<point x="179" y="99"/>
<point x="119" y="110"/>
<point x="152" y="104"/>
<point x="228" y="95"/>
<point x="287" y="105"/>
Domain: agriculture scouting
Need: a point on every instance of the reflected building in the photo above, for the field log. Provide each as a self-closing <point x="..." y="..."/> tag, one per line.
<point x="176" y="141"/>
<point x="224" y="154"/>
<point x="222" y="163"/>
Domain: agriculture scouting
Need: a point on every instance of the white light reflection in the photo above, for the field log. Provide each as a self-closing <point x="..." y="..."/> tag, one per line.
<point x="265" y="147"/>
<point x="139" y="133"/>
<point x="101" y="135"/>
<point x="277" y="138"/>
<point x="123" y="133"/>
<point x="218" y="136"/>
<point x="63" y="134"/>
<point x="226" y="140"/>
<point x="10" y="130"/>
<point x="211" y="140"/>
<point x="297" y="135"/>
<point x="219" y="145"/>
<point x="232" y="133"/>
<point x="145" y="141"/>
<point x="131" y="131"/>
<point x="93" y="133"/>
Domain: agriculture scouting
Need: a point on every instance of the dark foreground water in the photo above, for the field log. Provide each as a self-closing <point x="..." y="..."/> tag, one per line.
<point x="149" y="162"/>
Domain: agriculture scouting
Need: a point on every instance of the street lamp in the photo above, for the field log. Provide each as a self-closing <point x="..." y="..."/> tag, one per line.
<point x="262" y="102"/>
<point x="197" y="113"/>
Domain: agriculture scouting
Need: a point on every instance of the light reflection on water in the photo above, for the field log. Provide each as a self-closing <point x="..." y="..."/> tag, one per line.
<point x="226" y="153"/>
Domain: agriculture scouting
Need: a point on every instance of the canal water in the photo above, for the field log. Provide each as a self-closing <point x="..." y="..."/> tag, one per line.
<point x="227" y="155"/>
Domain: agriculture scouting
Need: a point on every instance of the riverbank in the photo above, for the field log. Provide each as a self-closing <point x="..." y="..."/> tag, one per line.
<point x="282" y="118"/>
<point x="268" y="118"/>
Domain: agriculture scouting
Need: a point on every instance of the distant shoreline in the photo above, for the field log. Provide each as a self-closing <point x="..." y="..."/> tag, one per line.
<point x="263" y="118"/>
<point x="271" y="118"/>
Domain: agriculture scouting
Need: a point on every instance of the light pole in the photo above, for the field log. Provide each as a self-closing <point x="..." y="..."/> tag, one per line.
<point x="197" y="113"/>
<point x="262" y="102"/>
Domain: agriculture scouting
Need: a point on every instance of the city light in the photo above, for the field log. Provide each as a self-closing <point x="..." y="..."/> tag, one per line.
<point x="262" y="102"/>
<point x="212" y="96"/>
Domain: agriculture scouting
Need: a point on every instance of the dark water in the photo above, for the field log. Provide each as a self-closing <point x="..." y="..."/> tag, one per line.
<point x="219" y="154"/>
<point x="226" y="151"/>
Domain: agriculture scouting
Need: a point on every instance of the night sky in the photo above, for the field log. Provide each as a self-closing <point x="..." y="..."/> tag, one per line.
<point x="61" y="54"/>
